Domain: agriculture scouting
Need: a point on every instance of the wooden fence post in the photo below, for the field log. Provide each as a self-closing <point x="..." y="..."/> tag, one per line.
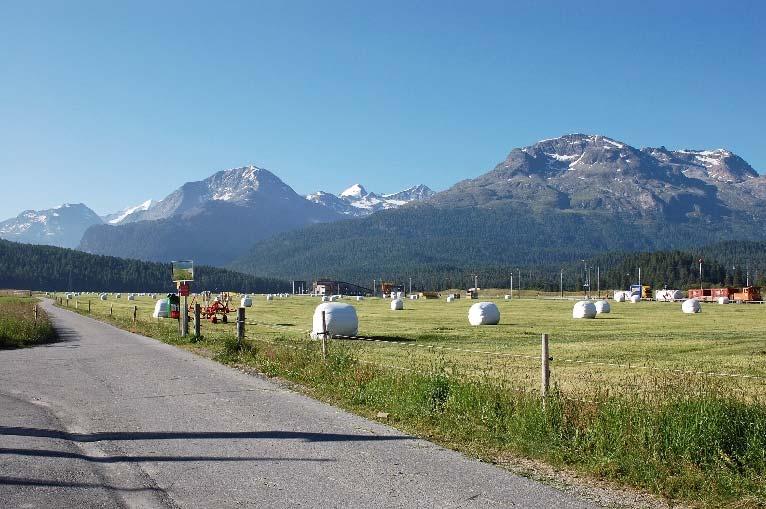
<point x="135" y="311"/>
<point x="35" y="312"/>
<point x="324" y="335"/>
<point x="545" y="381"/>
<point x="77" y="304"/>
<point x="88" y="306"/>
<point x="196" y="320"/>
<point x="240" y="326"/>
<point x="111" y="310"/>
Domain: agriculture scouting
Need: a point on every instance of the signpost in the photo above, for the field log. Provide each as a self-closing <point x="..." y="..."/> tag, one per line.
<point x="183" y="274"/>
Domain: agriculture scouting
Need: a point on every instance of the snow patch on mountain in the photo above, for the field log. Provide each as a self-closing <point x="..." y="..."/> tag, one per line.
<point x="119" y="217"/>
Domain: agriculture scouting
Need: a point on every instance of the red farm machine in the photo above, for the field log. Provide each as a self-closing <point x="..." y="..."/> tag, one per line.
<point x="215" y="308"/>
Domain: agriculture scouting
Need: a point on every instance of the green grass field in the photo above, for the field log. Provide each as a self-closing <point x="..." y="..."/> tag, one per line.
<point x="687" y="436"/>
<point x="722" y="339"/>
<point x="18" y="327"/>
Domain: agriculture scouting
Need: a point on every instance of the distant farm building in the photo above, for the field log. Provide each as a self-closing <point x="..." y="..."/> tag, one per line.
<point x="388" y="287"/>
<point x="300" y="287"/>
<point x="332" y="287"/>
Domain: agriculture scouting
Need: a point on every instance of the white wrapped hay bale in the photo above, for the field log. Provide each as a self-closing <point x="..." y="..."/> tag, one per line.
<point x="246" y="302"/>
<point x="450" y="298"/>
<point x="69" y="296"/>
<point x="602" y="307"/>
<point x="269" y="297"/>
<point x="102" y="296"/>
<point x="359" y="297"/>
<point x="341" y="320"/>
<point x="635" y="299"/>
<point x="584" y="309"/>
<point x="508" y="297"/>
<point x="335" y="298"/>
<point x="397" y="305"/>
<point x="619" y="296"/>
<point x="119" y="295"/>
<point x="723" y="300"/>
<point x="131" y="297"/>
<point x="668" y="295"/>
<point x="413" y="297"/>
<point x="484" y="313"/>
<point x="691" y="306"/>
<point x="325" y="298"/>
<point x="161" y="309"/>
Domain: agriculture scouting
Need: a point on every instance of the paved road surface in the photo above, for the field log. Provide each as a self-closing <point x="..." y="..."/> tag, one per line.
<point x="106" y="418"/>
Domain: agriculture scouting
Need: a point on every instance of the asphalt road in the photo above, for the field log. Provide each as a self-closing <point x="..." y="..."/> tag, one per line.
<point x="106" y="418"/>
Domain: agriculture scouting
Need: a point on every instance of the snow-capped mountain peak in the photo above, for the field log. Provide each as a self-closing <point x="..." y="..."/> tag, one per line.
<point x="354" y="192"/>
<point x="121" y="216"/>
<point x="59" y="226"/>
<point x="357" y="201"/>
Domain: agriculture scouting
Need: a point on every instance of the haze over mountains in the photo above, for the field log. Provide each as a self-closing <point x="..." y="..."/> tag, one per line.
<point x="549" y="202"/>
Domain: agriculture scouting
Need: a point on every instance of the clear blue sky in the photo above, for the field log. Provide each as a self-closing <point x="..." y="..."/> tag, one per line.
<point x="111" y="103"/>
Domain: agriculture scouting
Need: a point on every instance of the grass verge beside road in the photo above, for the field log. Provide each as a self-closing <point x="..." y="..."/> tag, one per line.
<point x="696" y="443"/>
<point x="18" y="327"/>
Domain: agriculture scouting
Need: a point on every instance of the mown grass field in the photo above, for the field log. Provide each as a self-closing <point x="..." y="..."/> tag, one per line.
<point x="688" y="437"/>
<point x="18" y="327"/>
<point x="722" y="339"/>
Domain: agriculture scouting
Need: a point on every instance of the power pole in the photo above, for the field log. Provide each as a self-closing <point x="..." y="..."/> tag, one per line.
<point x="561" y="283"/>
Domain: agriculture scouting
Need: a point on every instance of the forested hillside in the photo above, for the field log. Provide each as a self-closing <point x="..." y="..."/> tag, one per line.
<point x="37" y="267"/>
<point x="441" y="247"/>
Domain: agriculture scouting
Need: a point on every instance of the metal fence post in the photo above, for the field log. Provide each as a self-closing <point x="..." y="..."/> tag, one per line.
<point x="240" y="326"/>
<point x="545" y="381"/>
<point x="324" y="335"/>
<point x="196" y="320"/>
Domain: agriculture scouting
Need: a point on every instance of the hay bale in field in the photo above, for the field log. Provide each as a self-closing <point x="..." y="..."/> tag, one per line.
<point x="335" y="298"/>
<point x="161" y="309"/>
<point x="668" y="295"/>
<point x="325" y="298"/>
<point x="484" y="313"/>
<point x="269" y="297"/>
<point x="723" y="300"/>
<point x="508" y="297"/>
<point x="340" y="318"/>
<point x="69" y="296"/>
<point x="619" y="296"/>
<point x="635" y="299"/>
<point x="118" y="296"/>
<point x="414" y="297"/>
<point x="397" y="305"/>
<point x="691" y="306"/>
<point x="450" y="298"/>
<point x="131" y="297"/>
<point x="246" y="301"/>
<point x="359" y="297"/>
<point x="102" y="296"/>
<point x="584" y="309"/>
<point x="602" y="306"/>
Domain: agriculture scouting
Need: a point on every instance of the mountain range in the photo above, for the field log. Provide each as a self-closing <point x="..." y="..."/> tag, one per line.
<point x="550" y="203"/>
<point x="547" y="203"/>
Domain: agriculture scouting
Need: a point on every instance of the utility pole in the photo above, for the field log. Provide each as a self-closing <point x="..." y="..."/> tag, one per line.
<point x="410" y="284"/>
<point x="519" y="282"/>
<point x="511" y="284"/>
<point x="700" y="274"/>
<point x="561" y="283"/>
<point x="598" y="280"/>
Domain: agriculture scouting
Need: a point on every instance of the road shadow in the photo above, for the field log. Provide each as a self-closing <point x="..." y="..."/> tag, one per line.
<point x="193" y="435"/>
<point x="49" y="483"/>
<point x="47" y="453"/>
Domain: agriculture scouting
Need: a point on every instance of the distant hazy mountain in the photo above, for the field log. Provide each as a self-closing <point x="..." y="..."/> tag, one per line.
<point x="210" y="221"/>
<point x="128" y="215"/>
<point x="61" y="226"/>
<point x="552" y="202"/>
<point x="356" y="201"/>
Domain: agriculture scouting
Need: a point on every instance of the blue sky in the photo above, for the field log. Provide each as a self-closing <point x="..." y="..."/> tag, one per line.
<point x="111" y="103"/>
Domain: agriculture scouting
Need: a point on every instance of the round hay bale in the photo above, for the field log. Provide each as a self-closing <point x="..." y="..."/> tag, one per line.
<point x="484" y="313"/>
<point x="450" y="298"/>
<point x="413" y="297"/>
<point x="340" y="318"/>
<point x="602" y="306"/>
<point x="635" y="299"/>
<point x="119" y="295"/>
<point x="397" y="305"/>
<point x="161" y="309"/>
<point x="723" y="300"/>
<point x="619" y="296"/>
<point x="584" y="309"/>
<point x="102" y="296"/>
<point x="269" y="297"/>
<point x="508" y="297"/>
<point x="334" y="298"/>
<point x="131" y="297"/>
<point x="359" y="297"/>
<point x="691" y="306"/>
<point x="246" y="302"/>
<point x="325" y="298"/>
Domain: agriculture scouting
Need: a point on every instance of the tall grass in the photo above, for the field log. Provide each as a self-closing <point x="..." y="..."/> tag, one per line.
<point x="18" y="327"/>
